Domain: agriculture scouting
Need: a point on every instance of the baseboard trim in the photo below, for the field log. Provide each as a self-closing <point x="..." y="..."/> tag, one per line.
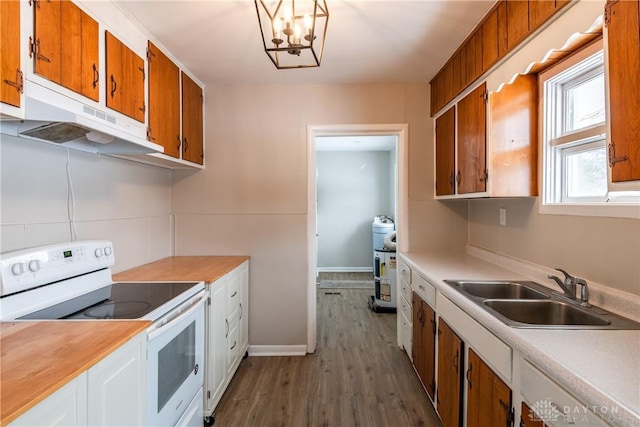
<point x="277" y="350"/>
<point x="345" y="269"/>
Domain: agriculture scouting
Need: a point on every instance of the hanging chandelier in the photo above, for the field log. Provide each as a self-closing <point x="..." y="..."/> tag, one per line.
<point x="293" y="31"/>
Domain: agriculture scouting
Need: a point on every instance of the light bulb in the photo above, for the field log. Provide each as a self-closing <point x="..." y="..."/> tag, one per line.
<point x="288" y="14"/>
<point x="307" y="21"/>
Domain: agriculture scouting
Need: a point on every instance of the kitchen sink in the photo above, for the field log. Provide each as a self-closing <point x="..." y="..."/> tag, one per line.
<point x="553" y="313"/>
<point x="527" y="304"/>
<point x="498" y="289"/>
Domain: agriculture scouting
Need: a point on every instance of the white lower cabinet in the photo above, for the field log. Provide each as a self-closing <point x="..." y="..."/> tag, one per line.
<point x="111" y="393"/>
<point x="118" y="386"/>
<point x="227" y="332"/>
<point x="552" y="404"/>
<point x="66" y="407"/>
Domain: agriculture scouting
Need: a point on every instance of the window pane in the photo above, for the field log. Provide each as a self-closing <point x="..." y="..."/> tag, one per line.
<point x="586" y="173"/>
<point x="585" y="104"/>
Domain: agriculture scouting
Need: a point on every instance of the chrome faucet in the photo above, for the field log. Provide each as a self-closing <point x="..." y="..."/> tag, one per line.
<point x="570" y="284"/>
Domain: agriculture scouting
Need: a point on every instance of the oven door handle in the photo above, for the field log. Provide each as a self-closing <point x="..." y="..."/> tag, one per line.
<point x="156" y="330"/>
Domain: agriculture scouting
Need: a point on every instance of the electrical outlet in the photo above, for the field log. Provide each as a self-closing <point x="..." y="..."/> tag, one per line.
<point x="503" y="216"/>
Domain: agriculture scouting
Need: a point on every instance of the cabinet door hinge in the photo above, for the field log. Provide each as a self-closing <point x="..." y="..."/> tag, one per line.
<point x="208" y="300"/>
<point x="150" y="55"/>
<point x="485" y="176"/>
<point x="32" y="47"/>
<point x="485" y="96"/>
<point x="607" y="12"/>
<point x="142" y="71"/>
<point x="612" y="156"/>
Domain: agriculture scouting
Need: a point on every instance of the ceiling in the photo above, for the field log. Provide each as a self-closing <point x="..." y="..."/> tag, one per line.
<point x="368" y="41"/>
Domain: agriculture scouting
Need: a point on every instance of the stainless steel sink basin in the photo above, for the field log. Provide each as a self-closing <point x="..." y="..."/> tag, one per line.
<point x="498" y="289"/>
<point x="551" y="313"/>
<point x="527" y="304"/>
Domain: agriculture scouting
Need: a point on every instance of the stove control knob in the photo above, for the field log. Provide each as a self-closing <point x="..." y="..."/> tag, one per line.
<point x="17" y="268"/>
<point x="108" y="251"/>
<point x="98" y="253"/>
<point x="34" y="265"/>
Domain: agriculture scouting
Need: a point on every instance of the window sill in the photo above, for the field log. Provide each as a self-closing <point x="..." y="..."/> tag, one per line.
<point x="618" y="210"/>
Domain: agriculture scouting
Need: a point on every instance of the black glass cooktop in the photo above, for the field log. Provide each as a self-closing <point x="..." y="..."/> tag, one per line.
<point x="126" y="300"/>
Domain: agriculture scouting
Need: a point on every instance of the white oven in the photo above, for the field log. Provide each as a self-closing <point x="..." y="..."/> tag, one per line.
<point x="175" y="364"/>
<point x="73" y="281"/>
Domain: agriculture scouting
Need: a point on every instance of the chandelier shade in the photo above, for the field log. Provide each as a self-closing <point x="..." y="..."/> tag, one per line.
<point x="293" y="31"/>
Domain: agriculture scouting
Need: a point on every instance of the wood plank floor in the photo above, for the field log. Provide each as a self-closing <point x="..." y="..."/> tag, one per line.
<point x="357" y="377"/>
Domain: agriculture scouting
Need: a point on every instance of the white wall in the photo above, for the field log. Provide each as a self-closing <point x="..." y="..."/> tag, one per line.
<point x="252" y="197"/>
<point x="352" y="188"/>
<point x="118" y="200"/>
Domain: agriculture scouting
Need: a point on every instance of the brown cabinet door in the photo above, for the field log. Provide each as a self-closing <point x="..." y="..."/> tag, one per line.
<point x="164" y="102"/>
<point x="10" y="72"/>
<point x="125" y="79"/>
<point x="540" y="11"/>
<point x="192" y="121"/>
<point x="113" y="65"/>
<point x="503" y="44"/>
<point x="47" y="39"/>
<point x="423" y="348"/>
<point x="490" y="53"/>
<point x="450" y="360"/>
<point x="429" y="344"/>
<point x="528" y="418"/>
<point x="90" y="65"/>
<point x="488" y="397"/>
<point x="67" y="46"/>
<point x="445" y="153"/>
<point x="471" y="143"/>
<point x="623" y="33"/>
<point x="513" y="136"/>
<point x="417" y="346"/>
<point x="517" y="22"/>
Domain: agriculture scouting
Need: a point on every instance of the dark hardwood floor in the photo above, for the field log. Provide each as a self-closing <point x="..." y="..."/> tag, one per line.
<point x="357" y="377"/>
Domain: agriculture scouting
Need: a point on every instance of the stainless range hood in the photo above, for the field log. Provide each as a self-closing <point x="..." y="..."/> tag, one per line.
<point x="58" y="119"/>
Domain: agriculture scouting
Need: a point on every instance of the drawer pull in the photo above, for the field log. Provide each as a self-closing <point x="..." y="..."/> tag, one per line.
<point x="226" y="331"/>
<point x="234" y="294"/>
<point x="234" y="345"/>
<point x="455" y="361"/>
<point x="469" y="374"/>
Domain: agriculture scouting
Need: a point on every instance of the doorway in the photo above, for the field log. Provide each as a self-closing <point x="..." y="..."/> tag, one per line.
<point x="345" y="134"/>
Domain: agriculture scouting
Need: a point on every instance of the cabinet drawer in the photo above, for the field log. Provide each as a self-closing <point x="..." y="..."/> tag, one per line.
<point x="495" y="352"/>
<point x="405" y="334"/>
<point x="554" y="405"/>
<point x="425" y="289"/>
<point x="405" y="272"/>
<point x="405" y="290"/>
<point x="233" y="295"/>
<point x="405" y="309"/>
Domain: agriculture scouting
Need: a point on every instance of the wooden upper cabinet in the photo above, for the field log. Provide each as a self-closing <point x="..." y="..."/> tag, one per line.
<point x="11" y="78"/>
<point x="47" y="39"/>
<point x="66" y="46"/>
<point x="471" y="143"/>
<point x="503" y="45"/>
<point x="192" y="121"/>
<point x="164" y="101"/>
<point x="540" y="11"/>
<point x="622" y="19"/>
<point x="445" y="153"/>
<point x="490" y="53"/>
<point x="513" y="138"/>
<point x="450" y="362"/>
<point x="125" y="79"/>
<point x="448" y="82"/>
<point x="488" y="397"/>
<point x="517" y="22"/>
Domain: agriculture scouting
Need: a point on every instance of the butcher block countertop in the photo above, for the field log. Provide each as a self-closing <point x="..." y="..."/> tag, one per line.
<point x="199" y="268"/>
<point x="39" y="357"/>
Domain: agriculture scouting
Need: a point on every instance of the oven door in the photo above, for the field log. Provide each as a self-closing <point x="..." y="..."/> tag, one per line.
<point x="175" y="362"/>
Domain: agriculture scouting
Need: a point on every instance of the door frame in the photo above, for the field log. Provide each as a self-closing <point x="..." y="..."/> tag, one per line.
<point x="401" y="131"/>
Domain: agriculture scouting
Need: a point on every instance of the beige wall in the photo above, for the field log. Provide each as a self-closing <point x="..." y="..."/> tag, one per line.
<point x="128" y="203"/>
<point x="605" y="250"/>
<point x="252" y="198"/>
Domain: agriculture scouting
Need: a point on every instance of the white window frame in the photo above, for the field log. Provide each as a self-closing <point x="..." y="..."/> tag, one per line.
<point x="556" y="143"/>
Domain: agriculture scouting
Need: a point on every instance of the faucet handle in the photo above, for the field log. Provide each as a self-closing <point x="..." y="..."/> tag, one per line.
<point x="567" y="277"/>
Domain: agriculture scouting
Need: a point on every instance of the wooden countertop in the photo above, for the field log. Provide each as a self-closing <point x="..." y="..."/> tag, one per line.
<point x="39" y="357"/>
<point x="200" y="268"/>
